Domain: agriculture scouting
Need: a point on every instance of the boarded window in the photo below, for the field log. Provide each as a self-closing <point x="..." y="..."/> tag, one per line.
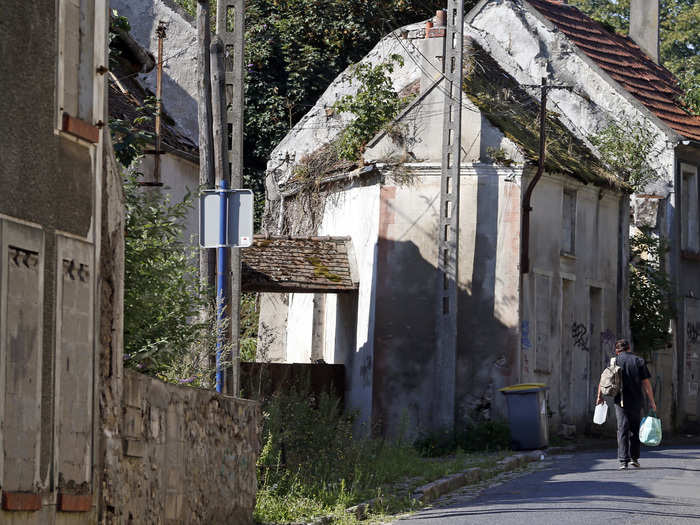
<point x="21" y="305"/>
<point x="690" y="237"/>
<point x="76" y="60"/>
<point x="568" y="223"/>
<point x="543" y="331"/>
<point x="74" y="363"/>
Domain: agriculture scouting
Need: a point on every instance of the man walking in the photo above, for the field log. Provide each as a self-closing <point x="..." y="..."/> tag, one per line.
<point x="628" y="403"/>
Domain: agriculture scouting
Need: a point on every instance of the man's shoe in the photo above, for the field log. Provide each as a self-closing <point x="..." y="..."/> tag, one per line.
<point x="623" y="466"/>
<point x="635" y="463"/>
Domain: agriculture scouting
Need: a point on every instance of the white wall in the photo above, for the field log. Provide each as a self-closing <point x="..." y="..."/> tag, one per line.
<point x="178" y="177"/>
<point x="352" y="212"/>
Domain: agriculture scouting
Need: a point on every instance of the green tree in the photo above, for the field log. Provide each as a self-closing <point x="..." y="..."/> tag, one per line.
<point x="161" y="295"/>
<point x="651" y="301"/>
<point x="678" y="34"/>
<point x="374" y="105"/>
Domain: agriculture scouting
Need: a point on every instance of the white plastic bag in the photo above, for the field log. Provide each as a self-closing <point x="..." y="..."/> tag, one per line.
<point x="601" y="413"/>
<point x="650" y="430"/>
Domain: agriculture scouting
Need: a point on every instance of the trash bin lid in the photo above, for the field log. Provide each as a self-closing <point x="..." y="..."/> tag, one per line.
<point x="524" y="388"/>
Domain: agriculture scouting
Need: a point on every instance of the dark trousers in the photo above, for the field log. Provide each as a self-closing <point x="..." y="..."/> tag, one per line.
<point x="628" y="420"/>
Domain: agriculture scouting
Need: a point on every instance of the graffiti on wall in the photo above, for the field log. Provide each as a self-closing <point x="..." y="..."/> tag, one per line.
<point x="607" y="342"/>
<point x="579" y="333"/>
<point x="525" y="335"/>
<point x="525" y="344"/>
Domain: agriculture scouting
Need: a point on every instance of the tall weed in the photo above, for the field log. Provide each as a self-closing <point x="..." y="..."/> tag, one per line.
<point x="311" y="464"/>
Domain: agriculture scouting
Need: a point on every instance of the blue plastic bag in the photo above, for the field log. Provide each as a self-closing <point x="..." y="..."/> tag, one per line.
<point x="650" y="430"/>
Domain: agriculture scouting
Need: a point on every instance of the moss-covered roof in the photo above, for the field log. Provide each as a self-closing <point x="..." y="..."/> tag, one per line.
<point x="511" y="109"/>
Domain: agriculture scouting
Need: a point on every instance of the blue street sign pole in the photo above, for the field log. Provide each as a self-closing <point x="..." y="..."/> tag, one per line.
<point x="221" y="288"/>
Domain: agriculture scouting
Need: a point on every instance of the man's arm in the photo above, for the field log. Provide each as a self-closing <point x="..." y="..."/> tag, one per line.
<point x="599" y="399"/>
<point x="646" y="386"/>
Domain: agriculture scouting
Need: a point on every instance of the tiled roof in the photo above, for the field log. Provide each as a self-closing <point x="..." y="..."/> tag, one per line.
<point x="621" y="58"/>
<point x="298" y="264"/>
<point x="126" y="95"/>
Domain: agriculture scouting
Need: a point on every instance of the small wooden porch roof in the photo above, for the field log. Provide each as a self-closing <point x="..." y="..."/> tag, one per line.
<point x="299" y="264"/>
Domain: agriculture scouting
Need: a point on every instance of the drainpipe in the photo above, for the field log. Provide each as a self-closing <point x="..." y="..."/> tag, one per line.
<point x="160" y="31"/>
<point x="525" y="250"/>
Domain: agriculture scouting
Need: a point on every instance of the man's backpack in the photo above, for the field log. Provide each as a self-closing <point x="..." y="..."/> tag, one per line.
<point x="611" y="379"/>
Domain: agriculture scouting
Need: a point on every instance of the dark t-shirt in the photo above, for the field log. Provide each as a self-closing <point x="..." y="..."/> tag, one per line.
<point x="634" y="371"/>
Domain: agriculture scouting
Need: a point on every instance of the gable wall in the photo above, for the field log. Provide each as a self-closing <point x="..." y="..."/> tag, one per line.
<point x="528" y="48"/>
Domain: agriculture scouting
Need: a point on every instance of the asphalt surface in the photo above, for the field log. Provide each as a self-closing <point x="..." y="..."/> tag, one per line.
<point x="584" y="487"/>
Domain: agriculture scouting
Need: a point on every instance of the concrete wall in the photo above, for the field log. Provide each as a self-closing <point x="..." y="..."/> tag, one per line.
<point x="570" y="300"/>
<point x="687" y="342"/>
<point x="189" y="454"/>
<point x="487" y="356"/>
<point x="348" y="319"/>
<point x="489" y="308"/>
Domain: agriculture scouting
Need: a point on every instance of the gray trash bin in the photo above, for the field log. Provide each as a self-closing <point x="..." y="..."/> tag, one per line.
<point x="527" y="415"/>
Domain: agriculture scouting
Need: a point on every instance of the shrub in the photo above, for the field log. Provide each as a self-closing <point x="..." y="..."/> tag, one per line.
<point x="484" y="436"/>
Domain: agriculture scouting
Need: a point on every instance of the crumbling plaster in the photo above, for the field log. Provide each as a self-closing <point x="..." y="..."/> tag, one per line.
<point x="529" y="48"/>
<point x="321" y="125"/>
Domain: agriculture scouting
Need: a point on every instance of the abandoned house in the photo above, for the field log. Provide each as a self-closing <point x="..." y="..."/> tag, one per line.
<point x="83" y="440"/>
<point x="618" y="79"/>
<point x="554" y="322"/>
<point x="390" y="211"/>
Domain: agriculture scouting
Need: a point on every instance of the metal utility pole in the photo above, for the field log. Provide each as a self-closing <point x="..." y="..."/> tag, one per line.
<point x="230" y="18"/>
<point x="160" y="32"/>
<point x="207" y="256"/>
<point x="448" y="234"/>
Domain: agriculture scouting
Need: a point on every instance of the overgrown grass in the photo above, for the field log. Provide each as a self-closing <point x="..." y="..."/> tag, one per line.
<point x="311" y="464"/>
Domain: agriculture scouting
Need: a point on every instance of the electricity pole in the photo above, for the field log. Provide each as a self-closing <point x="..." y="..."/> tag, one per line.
<point x="230" y="18"/>
<point x="448" y="234"/>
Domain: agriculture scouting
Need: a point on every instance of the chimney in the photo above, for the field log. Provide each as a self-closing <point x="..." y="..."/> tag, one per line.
<point x="644" y="26"/>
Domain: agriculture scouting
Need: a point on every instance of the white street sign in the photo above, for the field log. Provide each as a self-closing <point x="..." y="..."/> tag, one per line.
<point x="238" y="220"/>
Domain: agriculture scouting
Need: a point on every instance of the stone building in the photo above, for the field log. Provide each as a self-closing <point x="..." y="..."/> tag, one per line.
<point x="83" y="440"/>
<point x="554" y="324"/>
<point x="619" y="79"/>
<point x="389" y="208"/>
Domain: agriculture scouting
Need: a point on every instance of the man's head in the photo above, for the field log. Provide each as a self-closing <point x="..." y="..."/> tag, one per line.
<point x="622" y="345"/>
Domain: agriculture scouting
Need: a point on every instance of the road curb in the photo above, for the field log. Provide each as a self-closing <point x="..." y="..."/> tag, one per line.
<point x="433" y="490"/>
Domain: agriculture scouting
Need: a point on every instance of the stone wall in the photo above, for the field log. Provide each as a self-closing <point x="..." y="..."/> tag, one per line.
<point x="189" y="454"/>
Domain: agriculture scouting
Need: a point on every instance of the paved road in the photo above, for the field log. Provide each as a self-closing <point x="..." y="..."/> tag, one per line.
<point x="585" y="488"/>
